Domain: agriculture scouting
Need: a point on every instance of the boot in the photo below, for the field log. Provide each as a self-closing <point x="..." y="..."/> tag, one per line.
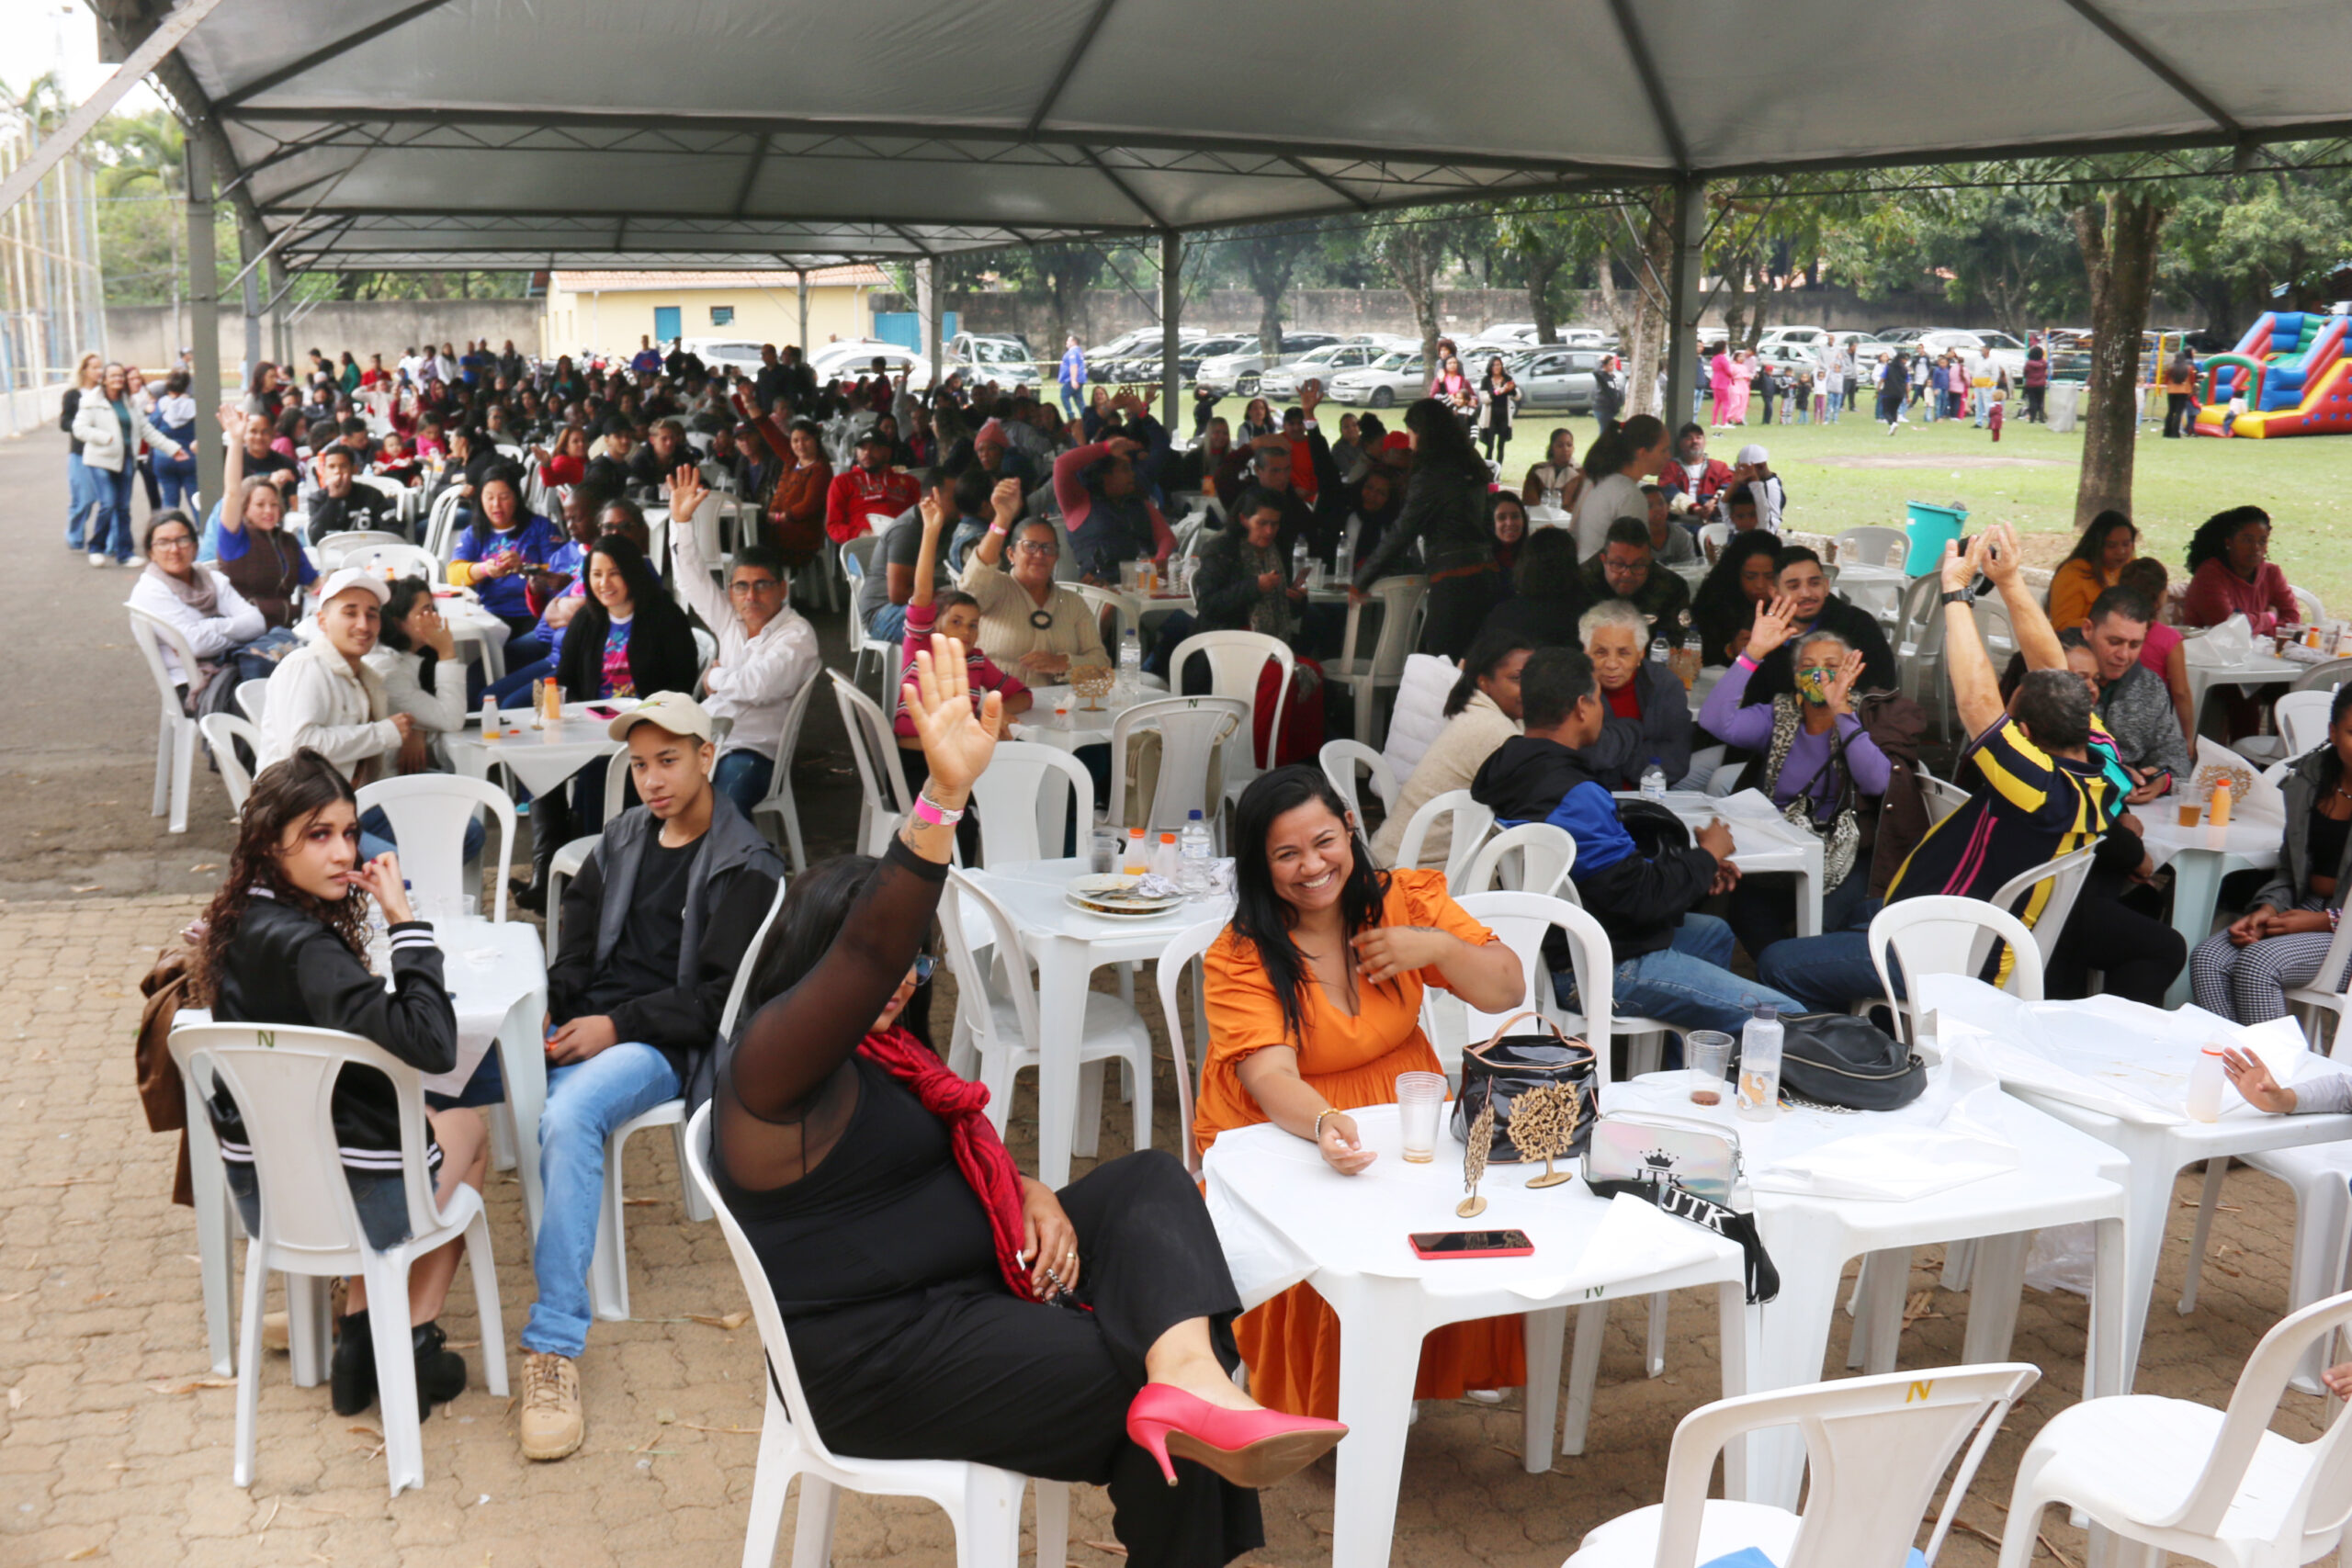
<point x="351" y="1377"/>
<point x="550" y="830"/>
<point x="440" y="1371"/>
<point x="551" y="1424"/>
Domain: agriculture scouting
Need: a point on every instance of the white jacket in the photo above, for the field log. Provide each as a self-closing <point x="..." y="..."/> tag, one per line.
<point x="100" y="434"/>
<point x="1451" y="761"/>
<point x="755" y="678"/>
<point x="237" y="623"/>
<point x="318" y="700"/>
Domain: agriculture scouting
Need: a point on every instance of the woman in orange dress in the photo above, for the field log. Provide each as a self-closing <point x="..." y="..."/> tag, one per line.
<point x="1314" y="1009"/>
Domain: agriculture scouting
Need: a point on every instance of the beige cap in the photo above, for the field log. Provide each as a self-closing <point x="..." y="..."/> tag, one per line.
<point x="674" y="711"/>
<point x="351" y="577"/>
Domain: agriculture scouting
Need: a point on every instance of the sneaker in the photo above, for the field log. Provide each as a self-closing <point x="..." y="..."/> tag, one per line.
<point x="351" y="1377"/>
<point x="134" y="560"/>
<point x="551" y="1424"/>
<point x="440" y="1371"/>
<point x="98" y="559"/>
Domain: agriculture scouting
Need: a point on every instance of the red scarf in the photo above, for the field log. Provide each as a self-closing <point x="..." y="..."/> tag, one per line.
<point x="980" y="1155"/>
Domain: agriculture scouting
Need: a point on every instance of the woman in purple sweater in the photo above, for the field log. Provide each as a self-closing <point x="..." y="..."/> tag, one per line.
<point x="1816" y="763"/>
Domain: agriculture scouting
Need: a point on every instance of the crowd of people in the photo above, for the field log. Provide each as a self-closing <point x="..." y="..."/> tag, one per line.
<point x="918" y="1271"/>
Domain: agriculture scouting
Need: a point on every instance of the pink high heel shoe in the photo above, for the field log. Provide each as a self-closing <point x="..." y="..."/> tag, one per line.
<point x="1249" y="1447"/>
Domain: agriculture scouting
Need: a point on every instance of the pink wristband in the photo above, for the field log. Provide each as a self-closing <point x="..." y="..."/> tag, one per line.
<point x="929" y="811"/>
<point x="999" y="528"/>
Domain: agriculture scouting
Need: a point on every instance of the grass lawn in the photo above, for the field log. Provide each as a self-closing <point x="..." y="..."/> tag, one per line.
<point x="2304" y="482"/>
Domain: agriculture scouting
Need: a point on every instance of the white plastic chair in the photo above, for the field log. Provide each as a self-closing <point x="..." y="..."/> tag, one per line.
<point x="2323" y="677"/>
<point x="400" y="559"/>
<point x="429" y="813"/>
<point x="1873" y="545"/>
<point x="1190" y="731"/>
<point x="220" y="732"/>
<point x="569" y="857"/>
<point x="1236" y="660"/>
<point x="1023" y="798"/>
<point x="2315" y="613"/>
<point x="175" y="730"/>
<point x="1940" y="934"/>
<point x="1712" y="538"/>
<point x="884" y="783"/>
<point x="336" y="550"/>
<point x="779" y="803"/>
<point x="983" y="1502"/>
<point x="1472" y="823"/>
<point x="1340" y="759"/>
<point x="282" y="1079"/>
<point x="1418" y="711"/>
<point x="1942" y="798"/>
<point x="1179" y="959"/>
<point x="441" y="526"/>
<point x="608" y="1264"/>
<point x="2170" y="1476"/>
<point x="1876" y="1449"/>
<point x="2066" y="875"/>
<point x="857" y="561"/>
<point x="2316" y="1177"/>
<point x="2323" y="998"/>
<point x="1534" y="857"/>
<point x="998" y="1010"/>
<point x="2302" y="720"/>
<point x="1401" y="602"/>
<point x="252" y="699"/>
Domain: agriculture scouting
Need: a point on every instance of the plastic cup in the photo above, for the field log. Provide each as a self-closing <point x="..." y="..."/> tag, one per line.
<point x="1419" y="1098"/>
<point x="1104" y="849"/>
<point x="1708" y="1053"/>
<point x="2191" y="813"/>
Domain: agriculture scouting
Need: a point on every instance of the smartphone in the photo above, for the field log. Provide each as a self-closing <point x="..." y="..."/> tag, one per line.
<point x="597" y="710"/>
<point x="1471" y="1244"/>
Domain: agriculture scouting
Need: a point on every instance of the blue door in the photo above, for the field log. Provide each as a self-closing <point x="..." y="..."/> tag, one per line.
<point x="665" y="323"/>
<point x="905" y="327"/>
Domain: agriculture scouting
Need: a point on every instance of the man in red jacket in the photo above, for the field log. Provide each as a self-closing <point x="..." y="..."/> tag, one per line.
<point x="869" y="489"/>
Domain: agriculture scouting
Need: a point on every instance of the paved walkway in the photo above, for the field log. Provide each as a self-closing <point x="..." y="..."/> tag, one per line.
<point x="114" y="1443"/>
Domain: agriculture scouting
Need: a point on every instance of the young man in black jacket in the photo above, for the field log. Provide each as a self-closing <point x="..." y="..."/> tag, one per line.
<point x="654" y="928"/>
<point x="1672" y="962"/>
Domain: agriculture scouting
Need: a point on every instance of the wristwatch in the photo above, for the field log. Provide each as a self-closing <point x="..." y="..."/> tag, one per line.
<point x="1956" y="596"/>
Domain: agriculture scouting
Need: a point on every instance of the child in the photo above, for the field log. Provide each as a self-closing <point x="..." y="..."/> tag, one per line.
<point x="957" y="615"/>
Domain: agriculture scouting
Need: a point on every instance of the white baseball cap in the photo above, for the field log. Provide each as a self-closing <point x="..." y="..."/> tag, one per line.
<point x="351" y="577"/>
<point x="1752" y="452"/>
<point x="674" y="711"/>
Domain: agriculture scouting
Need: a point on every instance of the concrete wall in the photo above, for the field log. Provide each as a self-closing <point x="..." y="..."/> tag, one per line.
<point x="612" y="321"/>
<point x="147" y="335"/>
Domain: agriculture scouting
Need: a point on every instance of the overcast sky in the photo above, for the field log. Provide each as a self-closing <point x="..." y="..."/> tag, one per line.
<point x="43" y="33"/>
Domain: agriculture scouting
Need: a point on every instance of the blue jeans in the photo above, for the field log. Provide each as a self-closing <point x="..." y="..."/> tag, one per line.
<point x="1830" y="403"/>
<point x="1827" y="973"/>
<point x="175" y="479"/>
<point x="889" y="628"/>
<point x="376" y="836"/>
<point x="585" y="1101"/>
<point x="110" y="532"/>
<point x="81" y="495"/>
<point x="1689" y="985"/>
<point x="1073" y="402"/>
<point x="743" y="776"/>
<point x="1984" y="397"/>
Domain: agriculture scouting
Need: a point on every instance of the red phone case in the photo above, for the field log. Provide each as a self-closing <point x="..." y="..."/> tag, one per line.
<point x="1527" y="1251"/>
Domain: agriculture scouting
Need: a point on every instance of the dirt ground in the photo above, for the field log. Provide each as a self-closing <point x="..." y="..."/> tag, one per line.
<point x="116" y="1447"/>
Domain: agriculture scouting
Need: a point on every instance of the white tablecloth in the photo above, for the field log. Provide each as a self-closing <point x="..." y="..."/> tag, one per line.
<point x="497" y="977"/>
<point x="2257" y="669"/>
<point x="1760" y="840"/>
<point x="541" y="759"/>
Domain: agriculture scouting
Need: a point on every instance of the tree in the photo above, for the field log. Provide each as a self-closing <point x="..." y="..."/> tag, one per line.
<point x="1269" y="257"/>
<point x="1644" y="248"/>
<point x="1554" y="244"/>
<point x="1411" y="250"/>
<point x="2117" y="229"/>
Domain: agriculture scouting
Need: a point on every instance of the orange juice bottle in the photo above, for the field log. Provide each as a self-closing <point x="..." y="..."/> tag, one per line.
<point x="2221" y="816"/>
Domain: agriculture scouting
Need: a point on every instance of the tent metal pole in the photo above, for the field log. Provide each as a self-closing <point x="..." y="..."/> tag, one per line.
<point x="204" y="307"/>
<point x="1684" y="300"/>
<point x="803" y="276"/>
<point x="934" y="345"/>
<point x="1172" y="310"/>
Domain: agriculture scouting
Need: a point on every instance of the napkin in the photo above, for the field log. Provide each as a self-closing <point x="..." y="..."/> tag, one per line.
<point x="2231" y="642"/>
<point x="1968" y="1142"/>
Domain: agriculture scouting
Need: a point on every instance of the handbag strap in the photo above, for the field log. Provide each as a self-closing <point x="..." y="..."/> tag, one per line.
<point x="1504" y="1027"/>
<point x="1763" y="1280"/>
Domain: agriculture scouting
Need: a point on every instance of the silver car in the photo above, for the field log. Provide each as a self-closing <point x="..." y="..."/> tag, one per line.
<point x="1240" y="372"/>
<point x="1556" y="379"/>
<point x="1281" y="383"/>
<point x="1395" y="378"/>
<point x="984" y="357"/>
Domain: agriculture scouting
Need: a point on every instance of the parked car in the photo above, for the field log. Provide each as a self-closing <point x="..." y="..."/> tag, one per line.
<point x="1395" y="378"/>
<point x="1239" y="371"/>
<point x="1281" y="384"/>
<point x="987" y="356"/>
<point x="849" y="360"/>
<point x="1142" y="362"/>
<point x="2008" y="351"/>
<point x="726" y="354"/>
<point x="1124" y="344"/>
<point x="1556" y="379"/>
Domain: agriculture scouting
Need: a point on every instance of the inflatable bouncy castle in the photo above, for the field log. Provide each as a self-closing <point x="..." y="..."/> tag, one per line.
<point x="2292" y="372"/>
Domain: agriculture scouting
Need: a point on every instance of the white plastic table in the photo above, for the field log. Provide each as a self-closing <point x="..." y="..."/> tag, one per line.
<point x="1068" y="944"/>
<point x="2116" y="1043"/>
<point x="2257" y="669"/>
<point x="2064" y="1176"/>
<point x="2200" y="857"/>
<point x="541" y="759"/>
<point x="1878" y="589"/>
<point x="1284" y="1216"/>
<point x="1760" y="842"/>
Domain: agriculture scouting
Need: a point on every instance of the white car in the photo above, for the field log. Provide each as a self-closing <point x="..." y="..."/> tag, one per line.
<point x="848" y="361"/>
<point x="1281" y="383"/>
<point x="1240" y="372"/>
<point x="2008" y="351"/>
<point x="984" y="357"/>
<point x="726" y="354"/>
<point x="1395" y="378"/>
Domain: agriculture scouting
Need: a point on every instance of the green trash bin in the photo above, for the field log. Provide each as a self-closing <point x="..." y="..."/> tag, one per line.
<point x="1931" y="527"/>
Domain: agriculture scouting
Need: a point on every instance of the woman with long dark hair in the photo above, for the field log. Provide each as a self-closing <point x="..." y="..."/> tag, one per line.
<point x="1506" y="529"/>
<point x="285" y="940"/>
<point x="1498" y="399"/>
<point x="630" y="638"/>
<point x="939" y="1304"/>
<point x="2091" y="567"/>
<point x="1313" y="1006"/>
<point x="1481" y="712"/>
<point x="495" y="554"/>
<point x="1615" y="466"/>
<point x="1445" y="509"/>
<point x="1723" y="609"/>
<point x="1556" y="481"/>
<point x="2230" y="573"/>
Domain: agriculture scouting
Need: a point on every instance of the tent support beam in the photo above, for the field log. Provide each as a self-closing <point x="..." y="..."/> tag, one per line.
<point x="1172" y="310"/>
<point x="908" y="234"/>
<point x="1124" y="189"/>
<point x="2156" y="65"/>
<point x="204" y="307"/>
<point x="1670" y="130"/>
<point x="1069" y="65"/>
<point x="1327" y="183"/>
<point x="320" y="56"/>
<point x="752" y="174"/>
<point x="1683" y="300"/>
<point x="84" y="118"/>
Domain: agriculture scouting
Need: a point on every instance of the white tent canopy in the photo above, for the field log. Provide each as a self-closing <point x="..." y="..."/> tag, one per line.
<point x="533" y="133"/>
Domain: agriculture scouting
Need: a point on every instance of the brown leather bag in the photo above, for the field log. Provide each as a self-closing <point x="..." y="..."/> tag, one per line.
<point x="160" y="1092"/>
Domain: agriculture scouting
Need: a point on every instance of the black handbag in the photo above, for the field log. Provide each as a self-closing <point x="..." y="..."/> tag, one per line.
<point x="1508" y="1066"/>
<point x="1835" y="1059"/>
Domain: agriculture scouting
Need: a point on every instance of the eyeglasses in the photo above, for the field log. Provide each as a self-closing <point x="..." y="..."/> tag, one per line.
<point x="925" y="965"/>
<point x="753" y="585"/>
<point x="1035" y="547"/>
<point x="172" y="542"/>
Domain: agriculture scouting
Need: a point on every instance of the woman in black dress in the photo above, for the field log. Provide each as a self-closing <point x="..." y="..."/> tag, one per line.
<point x="940" y="1305"/>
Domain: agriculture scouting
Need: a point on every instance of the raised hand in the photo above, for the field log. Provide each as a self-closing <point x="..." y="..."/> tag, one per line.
<point x="2002" y="557"/>
<point x="957" y="742"/>
<point x="1005" y="501"/>
<point x="1840" y="695"/>
<point x="1958" y="566"/>
<point x="1775" y="619"/>
<point x="686" y="492"/>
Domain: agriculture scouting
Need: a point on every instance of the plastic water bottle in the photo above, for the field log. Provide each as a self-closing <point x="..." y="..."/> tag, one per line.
<point x="1299" y="561"/>
<point x="1653" y="782"/>
<point x="489" y="713"/>
<point x="1193" y="851"/>
<point x="1660" y="652"/>
<point x="1760" y="1065"/>
<point x="1130" y="665"/>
